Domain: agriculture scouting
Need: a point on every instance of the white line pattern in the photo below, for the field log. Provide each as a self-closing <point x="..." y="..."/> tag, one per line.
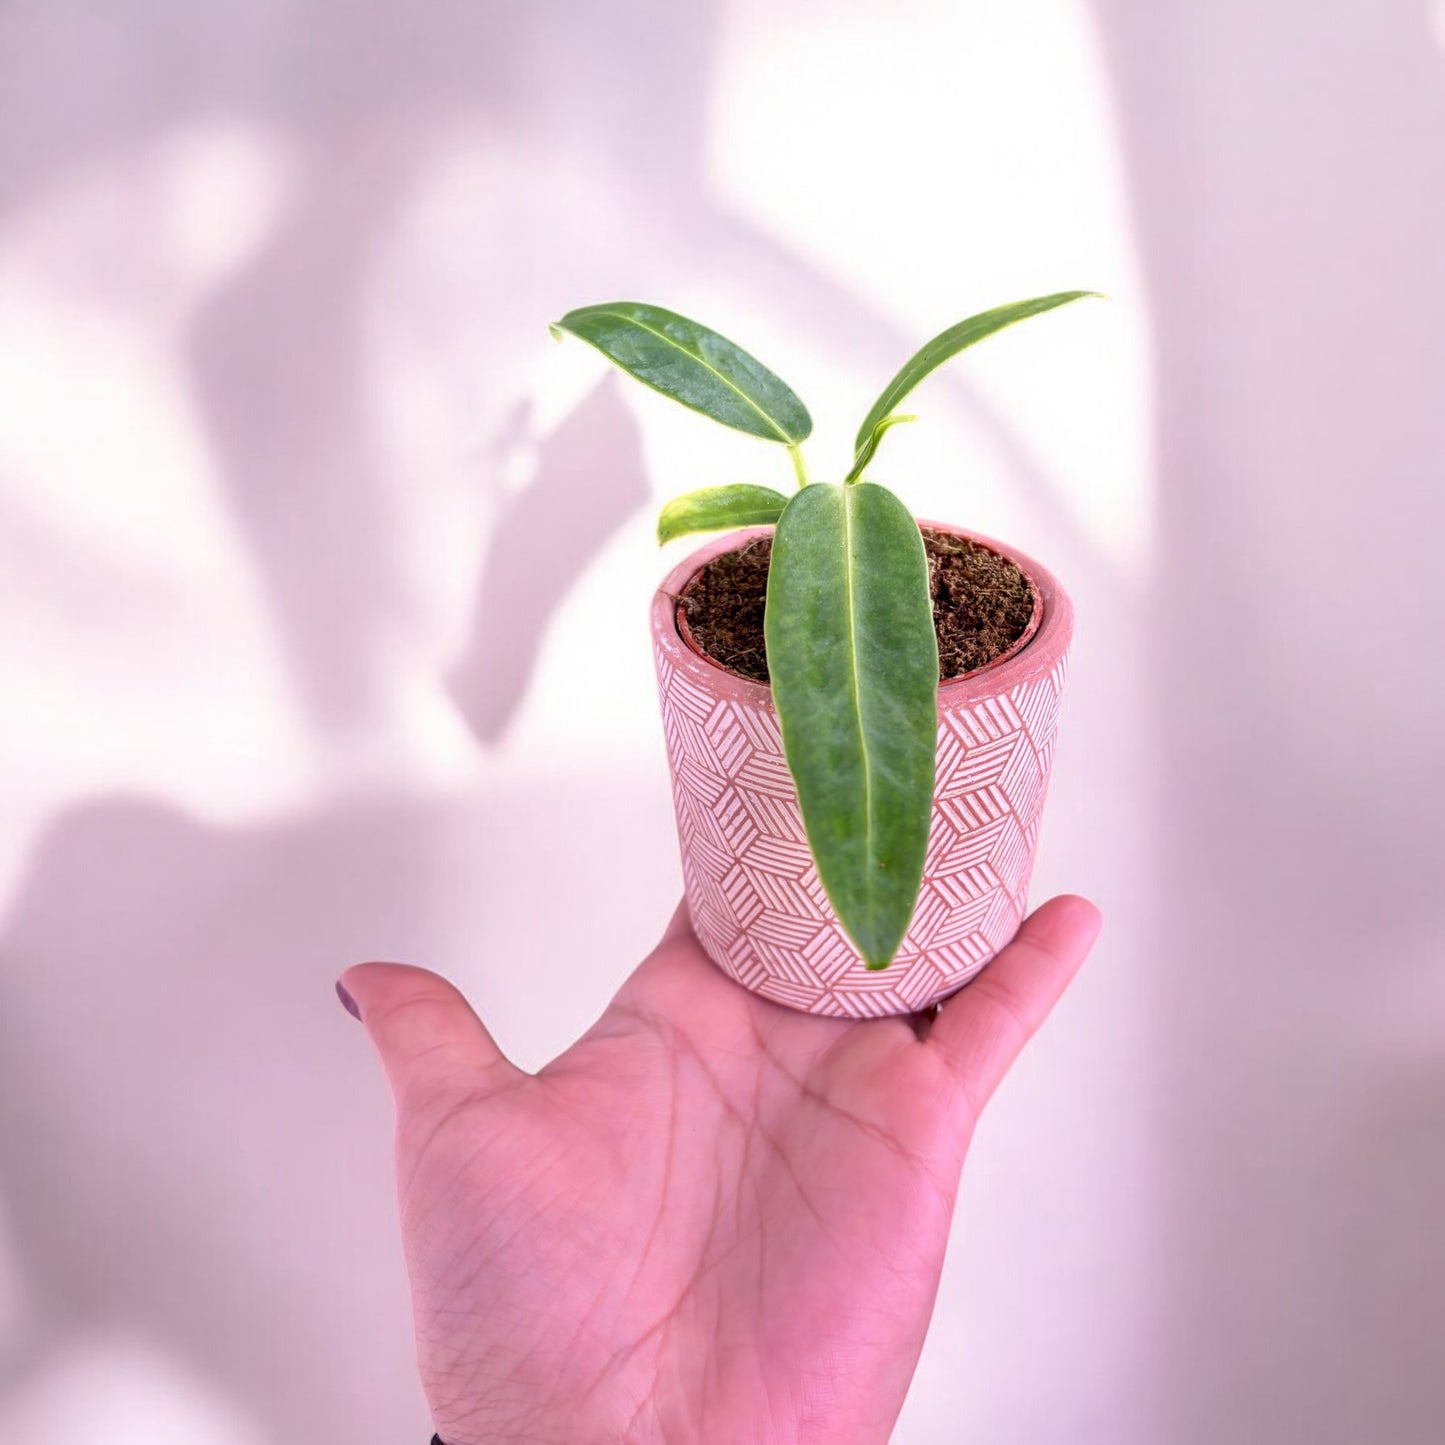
<point x="757" y="905"/>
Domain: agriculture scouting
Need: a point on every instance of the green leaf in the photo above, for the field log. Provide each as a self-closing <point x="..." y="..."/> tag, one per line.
<point x="709" y="509"/>
<point x="854" y="664"/>
<point x="865" y="452"/>
<point x="949" y="344"/>
<point x="693" y="365"/>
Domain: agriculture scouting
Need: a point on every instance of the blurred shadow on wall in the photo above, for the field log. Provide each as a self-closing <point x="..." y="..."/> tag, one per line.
<point x="277" y="356"/>
<point x="1286" y="163"/>
<point x="589" y="480"/>
<point x="363" y="96"/>
<point x="279" y="353"/>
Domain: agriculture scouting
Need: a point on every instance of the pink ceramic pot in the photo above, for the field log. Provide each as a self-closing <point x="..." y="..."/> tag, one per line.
<point x="756" y="903"/>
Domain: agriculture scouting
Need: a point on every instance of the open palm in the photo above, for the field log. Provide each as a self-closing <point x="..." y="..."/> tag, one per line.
<point x="712" y="1219"/>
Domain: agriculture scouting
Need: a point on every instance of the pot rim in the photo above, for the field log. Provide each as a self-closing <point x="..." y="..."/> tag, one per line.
<point x="1051" y="621"/>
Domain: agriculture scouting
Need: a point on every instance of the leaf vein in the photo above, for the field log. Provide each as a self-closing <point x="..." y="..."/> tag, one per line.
<point x="704" y="363"/>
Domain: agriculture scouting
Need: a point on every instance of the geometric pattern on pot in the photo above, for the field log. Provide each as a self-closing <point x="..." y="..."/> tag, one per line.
<point x="757" y="905"/>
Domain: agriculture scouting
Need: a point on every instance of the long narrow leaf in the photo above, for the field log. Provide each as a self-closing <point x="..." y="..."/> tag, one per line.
<point x="709" y="509"/>
<point x="854" y="665"/>
<point x="691" y="364"/>
<point x="949" y="344"/>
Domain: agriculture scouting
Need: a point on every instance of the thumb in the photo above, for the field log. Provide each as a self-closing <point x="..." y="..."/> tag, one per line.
<point x="429" y="1040"/>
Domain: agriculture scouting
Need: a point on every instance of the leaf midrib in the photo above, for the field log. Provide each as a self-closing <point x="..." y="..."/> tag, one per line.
<point x="857" y="693"/>
<point x="705" y="364"/>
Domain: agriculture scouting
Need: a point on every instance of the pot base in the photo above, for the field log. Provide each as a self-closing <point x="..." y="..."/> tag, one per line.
<point x="853" y="999"/>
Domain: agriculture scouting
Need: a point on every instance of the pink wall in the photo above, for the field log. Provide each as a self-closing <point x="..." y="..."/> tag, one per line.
<point x="289" y="474"/>
<point x="1285" y="161"/>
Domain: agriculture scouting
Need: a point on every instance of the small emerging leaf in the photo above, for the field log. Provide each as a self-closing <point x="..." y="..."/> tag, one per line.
<point x="854" y="665"/>
<point x="691" y="364"/>
<point x="949" y="344"/>
<point x="865" y="453"/>
<point x="710" y="509"/>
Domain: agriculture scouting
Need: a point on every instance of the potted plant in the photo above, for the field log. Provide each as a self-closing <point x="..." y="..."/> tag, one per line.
<point x="859" y="708"/>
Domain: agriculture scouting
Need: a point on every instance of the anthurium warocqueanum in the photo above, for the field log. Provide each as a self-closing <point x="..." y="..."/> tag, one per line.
<point x="851" y="648"/>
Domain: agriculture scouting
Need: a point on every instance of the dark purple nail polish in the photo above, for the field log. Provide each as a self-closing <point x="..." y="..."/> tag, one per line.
<point x="347" y="1002"/>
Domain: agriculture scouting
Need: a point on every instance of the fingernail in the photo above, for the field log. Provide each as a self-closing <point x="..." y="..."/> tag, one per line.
<point x="347" y="1002"/>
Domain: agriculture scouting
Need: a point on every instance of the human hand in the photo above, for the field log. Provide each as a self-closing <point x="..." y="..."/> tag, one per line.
<point x="712" y="1219"/>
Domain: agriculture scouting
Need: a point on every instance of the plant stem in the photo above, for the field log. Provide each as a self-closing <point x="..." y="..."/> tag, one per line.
<point x="799" y="470"/>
